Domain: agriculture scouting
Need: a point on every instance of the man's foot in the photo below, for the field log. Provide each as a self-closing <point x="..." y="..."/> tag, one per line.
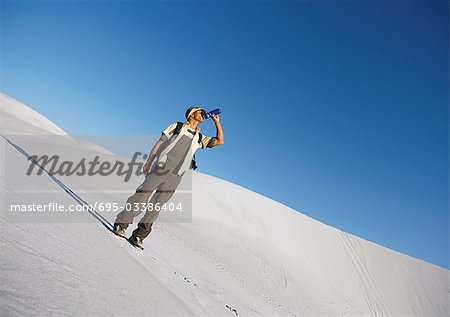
<point x="137" y="242"/>
<point x="118" y="230"/>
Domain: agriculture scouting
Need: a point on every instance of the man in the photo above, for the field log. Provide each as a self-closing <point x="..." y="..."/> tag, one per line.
<point x="173" y="153"/>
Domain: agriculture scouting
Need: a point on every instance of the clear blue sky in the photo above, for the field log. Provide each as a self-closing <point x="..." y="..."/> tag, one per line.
<point x="338" y="109"/>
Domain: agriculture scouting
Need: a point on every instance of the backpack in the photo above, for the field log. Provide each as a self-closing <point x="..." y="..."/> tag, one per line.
<point x="200" y="136"/>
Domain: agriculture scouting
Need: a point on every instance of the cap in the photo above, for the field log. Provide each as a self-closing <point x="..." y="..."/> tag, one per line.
<point x="191" y="110"/>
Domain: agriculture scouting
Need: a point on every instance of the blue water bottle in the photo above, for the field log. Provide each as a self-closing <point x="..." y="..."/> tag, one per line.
<point x="209" y="114"/>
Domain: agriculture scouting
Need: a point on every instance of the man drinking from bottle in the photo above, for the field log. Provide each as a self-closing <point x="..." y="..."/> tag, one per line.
<point x="173" y="154"/>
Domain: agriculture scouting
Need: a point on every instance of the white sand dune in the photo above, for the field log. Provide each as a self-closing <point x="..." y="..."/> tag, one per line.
<point x="243" y="254"/>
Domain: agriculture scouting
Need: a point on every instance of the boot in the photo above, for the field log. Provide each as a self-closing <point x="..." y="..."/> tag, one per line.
<point x="119" y="230"/>
<point x="137" y="242"/>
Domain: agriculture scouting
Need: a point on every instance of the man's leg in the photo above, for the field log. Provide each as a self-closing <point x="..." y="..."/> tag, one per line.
<point x="133" y="206"/>
<point x="162" y="195"/>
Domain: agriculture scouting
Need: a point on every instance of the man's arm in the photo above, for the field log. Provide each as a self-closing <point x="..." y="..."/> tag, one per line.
<point x="219" y="140"/>
<point x="165" y="135"/>
<point x="153" y="152"/>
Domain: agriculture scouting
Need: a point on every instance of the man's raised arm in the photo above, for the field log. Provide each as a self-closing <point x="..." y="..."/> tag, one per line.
<point x="219" y="132"/>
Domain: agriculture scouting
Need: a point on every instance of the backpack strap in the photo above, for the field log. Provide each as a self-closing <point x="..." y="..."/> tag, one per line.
<point x="178" y="128"/>
<point x="194" y="162"/>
